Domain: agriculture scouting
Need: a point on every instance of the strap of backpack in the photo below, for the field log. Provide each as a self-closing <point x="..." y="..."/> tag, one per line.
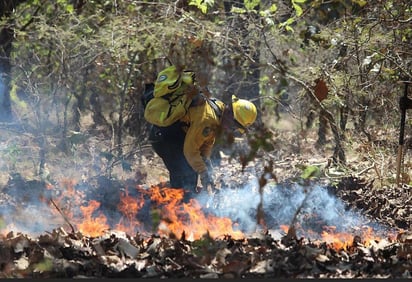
<point x="215" y="107"/>
<point x="171" y="97"/>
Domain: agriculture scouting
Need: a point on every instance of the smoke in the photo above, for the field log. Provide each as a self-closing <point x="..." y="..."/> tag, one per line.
<point x="314" y="207"/>
<point x="308" y="208"/>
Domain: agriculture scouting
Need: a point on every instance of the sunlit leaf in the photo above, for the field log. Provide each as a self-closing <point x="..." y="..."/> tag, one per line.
<point x="310" y="172"/>
<point x="202" y="5"/>
<point x="70" y="8"/>
<point x="273" y="8"/>
<point x="238" y="10"/>
<point x="298" y="9"/>
<point x="251" y="4"/>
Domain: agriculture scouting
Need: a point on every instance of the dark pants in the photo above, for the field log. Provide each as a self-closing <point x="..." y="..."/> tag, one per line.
<point x="168" y="142"/>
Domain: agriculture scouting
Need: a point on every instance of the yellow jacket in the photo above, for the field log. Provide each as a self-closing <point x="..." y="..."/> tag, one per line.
<point x="201" y="134"/>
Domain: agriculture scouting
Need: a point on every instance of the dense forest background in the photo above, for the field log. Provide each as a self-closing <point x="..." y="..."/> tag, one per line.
<point x="72" y="73"/>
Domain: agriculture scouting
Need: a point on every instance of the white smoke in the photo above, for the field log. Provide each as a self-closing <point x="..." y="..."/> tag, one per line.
<point x="315" y="208"/>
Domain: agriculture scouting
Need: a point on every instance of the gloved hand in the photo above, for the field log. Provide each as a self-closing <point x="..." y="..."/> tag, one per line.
<point x="207" y="181"/>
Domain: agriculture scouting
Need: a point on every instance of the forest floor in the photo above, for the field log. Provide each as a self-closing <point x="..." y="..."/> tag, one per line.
<point x="284" y="200"/>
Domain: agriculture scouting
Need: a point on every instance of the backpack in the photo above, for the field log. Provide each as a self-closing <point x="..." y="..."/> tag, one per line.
<point x="166" y="101"/>
<point x="166" y="110"/>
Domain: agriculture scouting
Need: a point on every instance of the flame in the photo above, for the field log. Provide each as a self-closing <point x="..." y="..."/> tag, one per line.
<point x="342" y="240"/>
<point x="129" y="207"/>
<point x="92" y="226"/>
<point x="285" y="228"/>
<point x="178" y="217"/>
<point x="338" y="240"/>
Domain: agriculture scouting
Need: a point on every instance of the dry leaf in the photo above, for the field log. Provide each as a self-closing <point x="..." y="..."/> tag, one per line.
<point x="321" y="90"/>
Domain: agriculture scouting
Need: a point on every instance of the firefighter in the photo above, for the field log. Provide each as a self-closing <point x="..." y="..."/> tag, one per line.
<point x="210" y="119"/>
<point x="167" y="139"/>
<point x="185" y="146"/>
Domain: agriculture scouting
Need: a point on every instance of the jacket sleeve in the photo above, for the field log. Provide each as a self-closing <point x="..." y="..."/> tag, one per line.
<point x="198" y="146"/>
<point x="200" y="136"/>
<point x="191" y="149"/>
<point x="161" y="113"/>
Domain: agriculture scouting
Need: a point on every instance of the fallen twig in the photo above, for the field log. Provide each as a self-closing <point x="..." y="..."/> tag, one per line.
<point x="63" y="215"/>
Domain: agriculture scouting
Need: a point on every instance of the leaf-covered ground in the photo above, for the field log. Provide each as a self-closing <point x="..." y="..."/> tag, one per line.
<point x="307" y="204"/>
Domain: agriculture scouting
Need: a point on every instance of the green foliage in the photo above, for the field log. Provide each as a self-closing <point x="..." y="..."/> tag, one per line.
<point x="64" y="58"/>
<point x="202" y="5"/>
<point x="268" y="15"/>
<point x="44" y="266"/>
<point x="310" y="172"/>
<point x="255" y="6"/>
<point x="288" y="24"/>
<point x="203" y="246"/>
<point x="298" y="8"/>
<point x="251" y="4"/>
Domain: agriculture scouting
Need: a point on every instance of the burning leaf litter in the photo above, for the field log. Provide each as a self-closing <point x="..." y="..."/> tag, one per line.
<point x="113" y="229"/>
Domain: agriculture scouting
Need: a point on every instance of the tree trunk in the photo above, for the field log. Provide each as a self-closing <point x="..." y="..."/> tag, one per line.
<point x="6" y="38"/>
<point x="6" y="41"/>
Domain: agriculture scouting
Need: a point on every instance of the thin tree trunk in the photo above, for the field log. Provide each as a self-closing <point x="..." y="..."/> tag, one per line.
<point x="6" y="38"/>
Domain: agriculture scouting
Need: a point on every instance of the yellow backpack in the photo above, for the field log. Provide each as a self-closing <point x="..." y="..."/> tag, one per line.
<point x="170" y="102"/>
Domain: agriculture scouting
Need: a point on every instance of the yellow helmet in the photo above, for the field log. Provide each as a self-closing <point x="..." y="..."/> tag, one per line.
<point x="244" y="111"/>
<point x="170" y="79"/>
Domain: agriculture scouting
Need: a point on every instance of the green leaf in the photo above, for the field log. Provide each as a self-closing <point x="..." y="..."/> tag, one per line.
<point x="310" y="172"/>
<point x="289" y="28"/>
<point x="251" y="4"/>
<point x="288" y="22"/>
<point x="70" y="8"/>
<point x="361" y="3"/>
<point x="202" y="5"/>
<point x="238" y="10"/>
<point x="273" y="8"/>
<point x="298" y="9"/>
